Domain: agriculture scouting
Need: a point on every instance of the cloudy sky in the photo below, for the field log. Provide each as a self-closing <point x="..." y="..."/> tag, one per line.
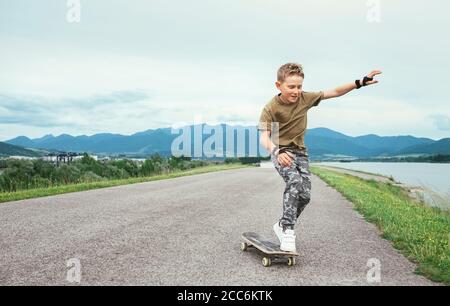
<point x="129" y="66"/>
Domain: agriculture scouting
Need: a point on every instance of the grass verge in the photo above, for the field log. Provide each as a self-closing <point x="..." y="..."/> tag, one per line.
<point x="420" y="233"/>
<point x="42" y="192"/>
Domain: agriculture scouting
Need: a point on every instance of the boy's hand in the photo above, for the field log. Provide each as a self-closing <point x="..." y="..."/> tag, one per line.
<point x="342" y="90"/>
<point x="371" y="75"/>
<point x="285" y="159"/>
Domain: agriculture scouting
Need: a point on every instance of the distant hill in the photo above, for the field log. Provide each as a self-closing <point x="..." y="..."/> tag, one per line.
<point x="150" y="141"/>
<point x="11" y="150"/>
<point x="22" y="141"/>
<point x="318" y="145"/>
<point x="323" y="139"/>
<point x="438" y="147"/>
<point x="389" y="144"/>
<point x="320" y="142"/>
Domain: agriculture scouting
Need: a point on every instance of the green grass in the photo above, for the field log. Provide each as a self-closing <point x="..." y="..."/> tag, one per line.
<point x="420" y="233"/>
<point x="42" y="192"/>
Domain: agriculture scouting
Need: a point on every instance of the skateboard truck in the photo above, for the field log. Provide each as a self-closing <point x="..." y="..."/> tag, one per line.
<point x="272" y="251"/>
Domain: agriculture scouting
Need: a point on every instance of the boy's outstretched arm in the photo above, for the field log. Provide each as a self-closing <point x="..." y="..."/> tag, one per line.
<point x="342" y="90"/>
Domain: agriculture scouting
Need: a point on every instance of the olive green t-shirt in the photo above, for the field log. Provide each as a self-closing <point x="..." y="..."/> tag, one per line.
<point x="290" y="117"/>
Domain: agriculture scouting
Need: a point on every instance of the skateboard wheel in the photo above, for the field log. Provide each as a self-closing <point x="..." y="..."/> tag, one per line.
<point x="244" y="246"/>
<point x="291" y="261"/>
<point x="266" y="262"/>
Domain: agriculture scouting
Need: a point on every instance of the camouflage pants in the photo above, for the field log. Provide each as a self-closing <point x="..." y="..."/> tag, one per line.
<point x="297" y="193"/>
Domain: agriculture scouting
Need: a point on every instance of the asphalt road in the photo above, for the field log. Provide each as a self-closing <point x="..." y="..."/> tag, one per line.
<point x="186" y="231"/>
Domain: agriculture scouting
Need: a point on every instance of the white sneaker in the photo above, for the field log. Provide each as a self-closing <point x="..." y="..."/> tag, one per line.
<point x="288" y="241"/>
<point x="278" y="231"/>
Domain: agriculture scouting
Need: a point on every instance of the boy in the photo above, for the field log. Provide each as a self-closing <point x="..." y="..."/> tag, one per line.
<point x="289" y="155"/>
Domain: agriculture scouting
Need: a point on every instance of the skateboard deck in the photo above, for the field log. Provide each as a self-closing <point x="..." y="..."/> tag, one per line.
<point x="270" y="249"/>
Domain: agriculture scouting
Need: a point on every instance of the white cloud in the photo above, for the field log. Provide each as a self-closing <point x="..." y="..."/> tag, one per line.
<point x="218" y="59"/>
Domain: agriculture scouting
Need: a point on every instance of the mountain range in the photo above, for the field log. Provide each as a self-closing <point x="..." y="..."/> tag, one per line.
<point x="320" y="142"/>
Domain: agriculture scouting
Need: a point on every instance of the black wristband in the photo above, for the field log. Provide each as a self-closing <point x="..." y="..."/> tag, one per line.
<point x="358" y="84"/>
<point x="366" y="79"/>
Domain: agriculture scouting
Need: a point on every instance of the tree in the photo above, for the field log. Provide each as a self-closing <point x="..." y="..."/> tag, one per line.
<point x="43" y="168"/>
<point x="91" y="177"/>
<point x="67" y="174"/>
<point x="128" y="165"/>
<point x="147" y="168"/>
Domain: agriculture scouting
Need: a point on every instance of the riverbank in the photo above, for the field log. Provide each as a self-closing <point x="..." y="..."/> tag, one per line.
<point x="425" y="182"/>
<point x="415" y="192"/>
<point x="42" y="192"/>
<point x="419" y="232"/>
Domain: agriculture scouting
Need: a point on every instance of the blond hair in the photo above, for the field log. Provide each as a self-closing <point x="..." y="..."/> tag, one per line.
<point x="288" y="70"/>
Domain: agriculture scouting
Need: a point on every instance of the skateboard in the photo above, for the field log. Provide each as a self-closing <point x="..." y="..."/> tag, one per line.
<point x="268" y="248"/>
